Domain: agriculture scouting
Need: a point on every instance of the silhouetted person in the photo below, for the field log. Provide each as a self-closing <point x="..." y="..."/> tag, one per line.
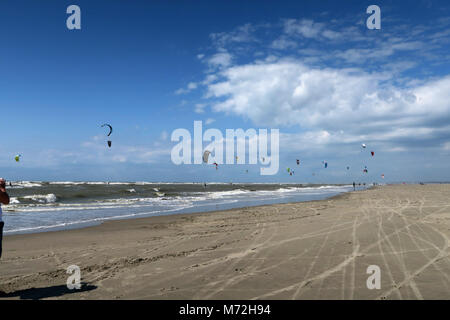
<point x="4" y="199"/>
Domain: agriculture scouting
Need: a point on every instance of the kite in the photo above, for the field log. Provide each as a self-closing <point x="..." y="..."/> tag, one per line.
<point x="17" y="157"/>
<point x="363" y="145"/>
<point x="206" y="156"/>
<point x="298" y="162"/>
<point x="110" y="128"/>
<point x="110" y="131"/>
<point x="372" y="153"/>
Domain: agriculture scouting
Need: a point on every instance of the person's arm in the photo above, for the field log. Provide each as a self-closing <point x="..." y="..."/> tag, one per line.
<point x="4" y="197"/>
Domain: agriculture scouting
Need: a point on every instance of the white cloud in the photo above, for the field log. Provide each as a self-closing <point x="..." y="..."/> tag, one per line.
<point x="164" y="136"/>
<point x="220" y="60"/>
<point x="288" y="93"/>
<point x="191" y="86"/>
<point x="239" y="35"/>
<point x="354" y="91"/>
<point x="209" y="121"/>
<point x="306" y="28"/>
<point x="447" y="146"/>
<point x="200" y="108"/>
<point x="96" y="151"/>
<point x="310" y="29"/>
<point x="283" y="43"/>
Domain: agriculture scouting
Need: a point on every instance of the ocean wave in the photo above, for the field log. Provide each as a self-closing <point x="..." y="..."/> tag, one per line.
<point x="42" y="198"/>
<point x="59" y="202"/>
<point x="14" y="200"/>
<point x="88" y="221"/>
<point x="24" y="184"/>
<point x="220" y="194"/>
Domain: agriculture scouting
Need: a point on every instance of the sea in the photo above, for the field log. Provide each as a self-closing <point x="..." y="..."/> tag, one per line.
<point x="38" y="206"/>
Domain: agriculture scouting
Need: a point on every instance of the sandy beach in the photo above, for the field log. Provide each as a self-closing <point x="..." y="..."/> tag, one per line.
<point x="310" y="250"/>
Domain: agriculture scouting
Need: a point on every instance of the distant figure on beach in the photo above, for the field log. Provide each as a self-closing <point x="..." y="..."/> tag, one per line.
<point x="4" y="198"/>
<point x="354" y="186"/>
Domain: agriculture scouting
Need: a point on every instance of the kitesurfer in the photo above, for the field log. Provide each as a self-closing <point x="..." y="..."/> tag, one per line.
<point x="4" y="199"/>
<point x="110" y="131"/>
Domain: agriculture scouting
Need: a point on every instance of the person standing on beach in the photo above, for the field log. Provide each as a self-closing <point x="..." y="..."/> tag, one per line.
<point x="354" y="186"/>
<point x="4" y="198"/>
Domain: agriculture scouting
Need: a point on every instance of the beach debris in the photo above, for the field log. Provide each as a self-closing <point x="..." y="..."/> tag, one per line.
<point x="110" y="131"/>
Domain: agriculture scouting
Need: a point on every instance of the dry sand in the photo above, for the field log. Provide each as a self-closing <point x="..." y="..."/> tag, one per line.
<point x="310" y="250"/>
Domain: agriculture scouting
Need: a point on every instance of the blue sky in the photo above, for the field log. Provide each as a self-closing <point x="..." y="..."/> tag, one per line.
<point x="311" y="69"/>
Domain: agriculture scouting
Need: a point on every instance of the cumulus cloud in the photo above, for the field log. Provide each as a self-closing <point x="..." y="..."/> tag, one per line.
<point x="220" y="60"/>
<point x="331" y="84"/>
<point x="288" y="93"/>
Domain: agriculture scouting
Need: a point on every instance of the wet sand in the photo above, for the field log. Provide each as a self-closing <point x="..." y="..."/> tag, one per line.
<point x="310" y="250"/>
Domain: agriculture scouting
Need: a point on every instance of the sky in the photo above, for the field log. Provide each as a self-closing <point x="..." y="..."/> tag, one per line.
<point x="311" y="69"/>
